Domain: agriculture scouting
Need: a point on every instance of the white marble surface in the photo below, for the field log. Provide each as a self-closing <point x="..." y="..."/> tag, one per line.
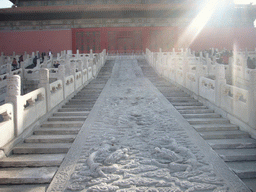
<point x="134" y="140"/>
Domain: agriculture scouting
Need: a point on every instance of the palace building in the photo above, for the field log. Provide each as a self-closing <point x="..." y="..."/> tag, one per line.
<point x="125" y="25"/>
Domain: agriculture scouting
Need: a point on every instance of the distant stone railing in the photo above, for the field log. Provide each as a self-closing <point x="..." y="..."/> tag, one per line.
<point x="22" y="111"/>
<point x="209" y="82"/>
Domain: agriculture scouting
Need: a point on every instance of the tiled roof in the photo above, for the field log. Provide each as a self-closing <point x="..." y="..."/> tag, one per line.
<point x="84" y="8"/>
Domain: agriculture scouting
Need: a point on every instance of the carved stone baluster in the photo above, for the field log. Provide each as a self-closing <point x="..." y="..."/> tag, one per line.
<point x="13" y="96"/>
<point x="44" y="82"/>
<point x="252" y="99"/>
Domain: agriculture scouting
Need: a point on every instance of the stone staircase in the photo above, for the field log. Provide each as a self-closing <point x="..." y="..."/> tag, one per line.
<point x="33" y="163"/>
<point x="234" y="146"/>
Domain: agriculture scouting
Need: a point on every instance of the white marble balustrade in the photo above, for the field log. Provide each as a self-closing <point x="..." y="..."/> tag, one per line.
<point x="208" y="80"/>
<point x="22" y="111"/>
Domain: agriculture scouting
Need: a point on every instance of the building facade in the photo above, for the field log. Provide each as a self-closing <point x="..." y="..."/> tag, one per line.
<point x="125" y="25"/>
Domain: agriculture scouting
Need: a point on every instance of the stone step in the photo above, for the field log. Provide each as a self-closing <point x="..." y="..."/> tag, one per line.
<point x="202" y="115"/>
<point x="67" y="118"/>
<point x="57" y="131"/>
<point x="215" y="127"/>
<point x="244" y="170"/>
<point x="79" y="104"/>
<point x="38" y="160"/>
<point x="237" y="154"/>
<point x="196" y="111"/>
<point x="24" y="188"/>
<point x="50" y="139"/>
<point x="167" y="89"/>
<point x="71" y="113"/>
<point x="86" y="96"/>
<point x="251" y="183"/>
<point x="95" y="86"/>
<point x="73" y="110"/>
<point x="224" y="134"/>
<point x="232" y="143"/>
<point x="83" y="100"/>
<point x="163" y="85"/>
<point x="190" y="107"/>
<point x="176" y="94"/>
<point x="84" y="107"/>
<point x="194" y="121"/>
<point x="181" y="99"/>
<point x="91" y="90"/>
<point x="62" y="124"/>
<point x="196" y="103"/>
<point x="27" y="175"/>
<point x="38" y="148"/>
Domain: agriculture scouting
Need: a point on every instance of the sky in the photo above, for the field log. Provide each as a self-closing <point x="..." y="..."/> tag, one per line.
<point x="7" y="3"/>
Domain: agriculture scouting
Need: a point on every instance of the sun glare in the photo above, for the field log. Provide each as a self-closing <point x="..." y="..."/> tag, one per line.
<point x="244" y="1"/>
<point x="198" y="23"/>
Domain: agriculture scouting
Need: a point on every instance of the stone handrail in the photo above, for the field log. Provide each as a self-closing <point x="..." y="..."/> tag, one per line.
<point x="32" y="107"/>
<point x="78" y="79"/>
<point x="7" y="124"/>
<point x="56" y="94"/>
<point x="210" y="84"/>
<point x="235" y="101"/>
<point x="31" y="74"/>
<point x="29" y="108"/>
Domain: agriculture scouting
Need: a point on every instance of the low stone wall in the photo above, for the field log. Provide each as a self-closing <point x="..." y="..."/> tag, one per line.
<point x="208" y="80"/>
<point x="21" y="111"/>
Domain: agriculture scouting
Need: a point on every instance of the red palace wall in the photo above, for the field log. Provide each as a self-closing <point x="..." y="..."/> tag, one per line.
<point x="125" y="39"/>
<point x="31" y="41"/>
<point x="229" y="38"/>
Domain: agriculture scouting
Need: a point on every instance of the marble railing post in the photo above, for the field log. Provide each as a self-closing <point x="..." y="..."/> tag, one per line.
<point x="77" y="53"/>
<point x="13" y="96"/>
<point x="201" y="56"/>
<point x="25" y="56"/>
<point x="2" y="58"/>
<point x="61" y="76"/>
<point x="22" y="66"/>
<point x="219" y="80"/>
<point x="252" y="99"/>
<point x="58" y="56"/>
<point x="9" y="59"/>
<point x="37" y="64"/>
<point x="44" y="82"/>
<point x="185" y="69"/>
<point x="159" y="64"/>
<point x="65" y="54"/>
<point x="91" y="54"/>
<point x="208" y="63"/>
<point x="199" y="73"/>
<point x="37" y="54"/>
<point x="91" y="64"/>
<point x="80" y="66"/>
<point x="214" y="59"/>
<point x="173" y="52"/>
<point x="73" y="72"/>
<point x="9" y="68"/>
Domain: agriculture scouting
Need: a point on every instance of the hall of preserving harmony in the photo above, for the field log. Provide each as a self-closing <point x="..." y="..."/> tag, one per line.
<point x="125" y="25"/>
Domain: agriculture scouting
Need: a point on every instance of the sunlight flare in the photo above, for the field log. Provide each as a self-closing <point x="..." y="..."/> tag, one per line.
<point x="198" y="23"/>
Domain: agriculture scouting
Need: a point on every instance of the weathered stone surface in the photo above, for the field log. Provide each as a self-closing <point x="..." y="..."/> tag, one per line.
<point x="25" y="188"/>
<point x="135" y="140"/>
<point x="32" y="160"/>
<point x="27" y="175"/>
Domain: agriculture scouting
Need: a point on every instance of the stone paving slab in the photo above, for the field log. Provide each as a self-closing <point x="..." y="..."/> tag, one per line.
<point x="135" y="140"/>
<point x="23" y="188"/>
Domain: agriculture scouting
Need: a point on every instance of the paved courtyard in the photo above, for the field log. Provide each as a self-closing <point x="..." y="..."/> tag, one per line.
<point x="135" y="140"/>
